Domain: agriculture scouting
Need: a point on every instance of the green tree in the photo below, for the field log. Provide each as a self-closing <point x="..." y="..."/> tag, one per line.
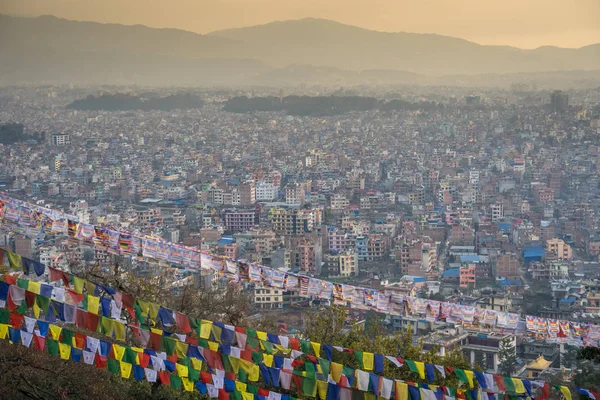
<point x="508" y="357"/>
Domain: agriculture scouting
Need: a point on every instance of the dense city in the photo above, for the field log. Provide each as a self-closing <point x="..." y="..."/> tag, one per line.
<point x="485" y="198"/>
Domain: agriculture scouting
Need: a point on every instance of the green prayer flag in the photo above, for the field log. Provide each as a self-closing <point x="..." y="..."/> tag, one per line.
<point x="22" y="309"/>
<point x="242" y="375"/>
<point x="235" y="395"/>
<point x="252" y="342"/>
<point x="169" y="345"/>
<point x="347" y="371"/>
<point x="138" y="313"/>
<point x="175" y="381"/>
<point x="309" y="386"/>
<point x="460" y="374"/>
<point x="23" y="283"/>
<point x="42" y="302"/>
<point x="251" y="333"/>
<point x="4" y="316"/>
<point x="252" y="389"/>
<point x="129" y="356"/>
<point x="114" y="366"/>
<point x="52" y="346"/>
<point x="194" y="375"/>
<point x="195" y="324"/>
<point x="268" y="346"/>
<point x="67" y="336"/>
<point x="184" y="361"/>
<point x="324" y="364"/>
<point x="256" y="357"/>
<point x="305" y="346"/>
<point x="509" y="384"/>
<point x="359" y="358"/>
<point x="413" y="367"/>
<point x="203" y="343"/>
<point x="226" y="363"/>
<point x="310" y="369"/>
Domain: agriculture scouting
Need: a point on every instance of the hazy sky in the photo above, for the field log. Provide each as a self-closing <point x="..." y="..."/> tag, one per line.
<point x="522" y="23"/>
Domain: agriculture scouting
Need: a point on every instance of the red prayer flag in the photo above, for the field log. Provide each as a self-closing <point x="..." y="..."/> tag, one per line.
<point x="294" y="343"/>
<point x="30" y="298"/>
<point x="80" y="318"/>
<point x="545" y="391"/>
<point x="246" y="355"/>
<point x="223" y="395"/>
<point x="92" y="322"/>
<point x="10" y="279"/>
<point x="499" y="382"/>
<point x="16" y="320"/>
<point x="192" y="340"/>
<point x="100" y="361"/>
<point x="263" y="392"/>
<point x="144" y="360"/>
<point x="39" y="342"/>
<point x="76" y="298"/>
<point x="79" y="340"/>
<point x="155" y="340"/>
<point x="206" y="377"/>
<point x="183" y="323"/>
<point x="172" y="358"/>
<point x="165" y="377"/>
<point x="298" y="382"/>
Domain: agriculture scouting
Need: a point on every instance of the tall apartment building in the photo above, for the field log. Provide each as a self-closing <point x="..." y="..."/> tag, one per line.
<point x="507" y="266"/>
<point x="266" y="191"/>
<point x="343" y="263"/>
<point x="241" y="220"/>
<point x="307" y="255"/>
<point x="295" y="195"/>
<point x="295" y="221"/>
<point x="559" y="248"/>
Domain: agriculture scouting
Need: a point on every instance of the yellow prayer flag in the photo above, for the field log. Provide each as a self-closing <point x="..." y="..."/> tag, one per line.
<point x="247" y="396"/>
<point x="519" y="387"/>
<point x="322" y="389"/>
<point x="108" y="327"/>
<point x="90" y="287"/>
<point x="205" y="329"/>
<point x="3" y="331"/>
<point x="55" y="330"/>
<point x="119" y="351"/>
<point x="254" y="373"/>
<point x="469" y="375"/>
<point x="369" y="361"/>
<point x="125" y="369"/>
<point x="188" y="385"/>
<point x="401" y="391"/>
<point x="565" y="392"/>
<point x="78" y="284"/>
<point x="336" y="371"/>
<point x="119" y="329"/>
<point x="144" y="306"/>
<point x="34" y="287"/>
<point x="153" y="310"/>
<point x="421" y="368"/>
<point x="371" y="396"/>
<point x="93" y="304"/>
<point x="36" y="310"/>
<point x="316" y="348"/>
<point x="240" y="386"/>
<point x="156" y="331"/>
<point x="282" y="349"/>
<point x="217" y="331"/>
<point x="261" y="335"/>
<point x="181" y="349"/>
<point x="268" y="360"/>
<point x="197" y="364"/>
<point x="65" y="351"/>
<point x="137" y="349"/>
<point x="235" y="364"/>
<point x="214" y="346"/>
<point x="182" y="370"/>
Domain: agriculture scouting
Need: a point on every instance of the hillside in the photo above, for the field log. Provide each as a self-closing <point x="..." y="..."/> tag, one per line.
<point x="53" y="50"/>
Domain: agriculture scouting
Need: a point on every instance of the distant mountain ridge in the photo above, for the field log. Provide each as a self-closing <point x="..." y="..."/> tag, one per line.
<point x="50" y="49"/>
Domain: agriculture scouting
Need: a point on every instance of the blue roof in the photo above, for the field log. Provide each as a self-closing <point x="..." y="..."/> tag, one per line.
<point x="449" y="273"/>
<point x="534" y="251"/>
<point x="567" y="300"/>
<point x="510" y="282"/>
<point x="225" y="240"/>
<point x="504" y="225"/>
<point x="469" y="258"/>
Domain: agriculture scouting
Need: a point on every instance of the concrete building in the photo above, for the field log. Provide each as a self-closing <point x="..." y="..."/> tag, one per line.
<point x="268" y="298"/>
<point x="559" y="248"/>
